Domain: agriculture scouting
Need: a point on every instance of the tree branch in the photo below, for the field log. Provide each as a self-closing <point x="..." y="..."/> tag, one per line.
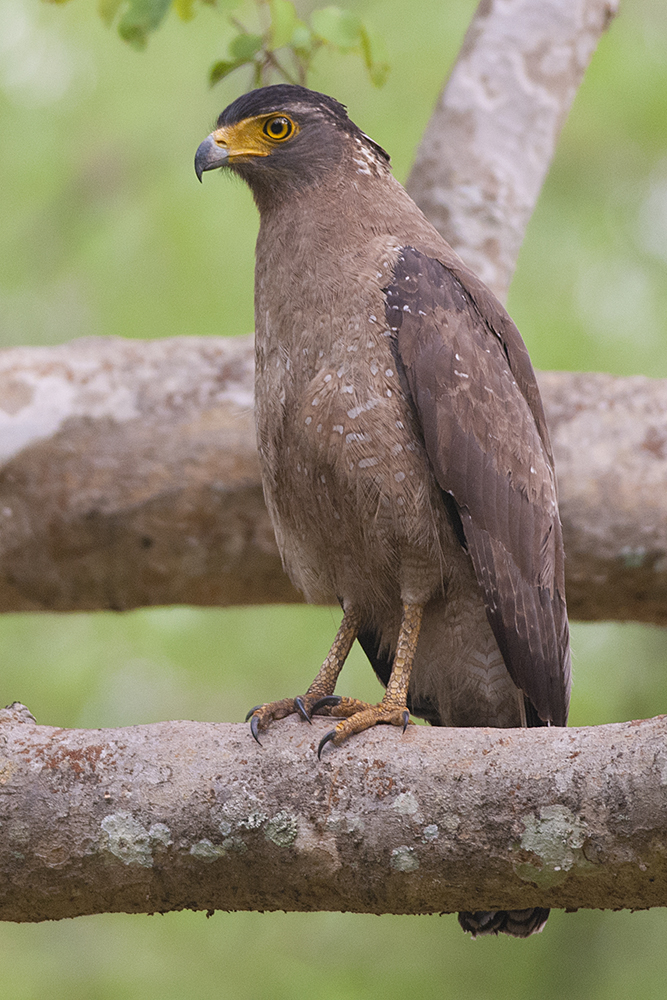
<point x="130" y="478"/>
<point x="194" y="815"/>
<point x="485" y="153"/>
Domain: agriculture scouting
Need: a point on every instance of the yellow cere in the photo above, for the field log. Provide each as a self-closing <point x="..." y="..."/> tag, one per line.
<point x="255" y="136"/>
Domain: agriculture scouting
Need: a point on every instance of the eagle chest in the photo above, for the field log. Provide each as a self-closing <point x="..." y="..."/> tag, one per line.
<point x="344" y="467"/>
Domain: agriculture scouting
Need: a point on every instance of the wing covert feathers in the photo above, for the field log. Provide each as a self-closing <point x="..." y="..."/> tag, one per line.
<point x="474" y="391"/>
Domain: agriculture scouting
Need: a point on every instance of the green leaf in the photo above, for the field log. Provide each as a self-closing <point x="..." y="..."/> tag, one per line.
<point x="140" y="18"/>
<point x="302" y="39"/>
<point x="338" y="27"/>
<point x="223" y="68"/>
<point x="283" y="22"/>
<point x="184" y="9"/>
<point x="244" y="46"/>
<point x="107" y="9"/>
<point x="375" y="57"/>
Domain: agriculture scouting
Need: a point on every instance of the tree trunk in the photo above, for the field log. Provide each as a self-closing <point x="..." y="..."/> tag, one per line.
<point x="486" y="151"/>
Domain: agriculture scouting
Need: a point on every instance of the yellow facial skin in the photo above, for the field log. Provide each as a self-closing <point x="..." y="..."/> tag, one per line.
<point x="255" y="136"/>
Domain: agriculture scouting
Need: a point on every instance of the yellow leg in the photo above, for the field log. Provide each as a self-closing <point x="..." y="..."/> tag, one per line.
<point x="319" y="698"/>
<point x="393" y="707"/>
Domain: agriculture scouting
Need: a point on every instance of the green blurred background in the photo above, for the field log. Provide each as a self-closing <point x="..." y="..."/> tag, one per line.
<point x="104" y="230"/>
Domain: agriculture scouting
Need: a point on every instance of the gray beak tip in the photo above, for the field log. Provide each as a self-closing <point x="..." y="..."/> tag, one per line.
<point x="209" y="156"/>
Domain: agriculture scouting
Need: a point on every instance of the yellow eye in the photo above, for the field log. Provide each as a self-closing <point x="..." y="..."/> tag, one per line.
<point x="278" y="128"/>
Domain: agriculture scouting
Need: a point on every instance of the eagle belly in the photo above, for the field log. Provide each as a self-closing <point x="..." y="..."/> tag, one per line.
<point x="358" y="515"/>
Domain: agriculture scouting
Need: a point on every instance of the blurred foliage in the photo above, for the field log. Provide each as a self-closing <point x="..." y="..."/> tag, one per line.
<point x="138" y="18"/>
<point x="104" y="231"/>
<point x="279" y="34"/>
<point x="286" y="36"/>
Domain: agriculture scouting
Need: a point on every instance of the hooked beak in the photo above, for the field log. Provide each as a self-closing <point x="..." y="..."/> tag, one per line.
<point x="209" y="156"/>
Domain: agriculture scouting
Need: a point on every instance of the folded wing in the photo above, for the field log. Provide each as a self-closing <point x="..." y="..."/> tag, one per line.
<point x="470" y="380"/>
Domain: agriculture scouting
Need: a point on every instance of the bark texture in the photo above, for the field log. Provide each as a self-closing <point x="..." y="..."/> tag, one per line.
<point x="610" y="441"/>
<point x="129" y="478"/>
<point x="184" y="815"/>
<point x="487" y="148"/>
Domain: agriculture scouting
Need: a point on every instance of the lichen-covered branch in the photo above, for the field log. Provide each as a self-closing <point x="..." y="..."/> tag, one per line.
<point x="195" y="815"/>
<point x="129" y="477"/>
<point x="487" y="148"/>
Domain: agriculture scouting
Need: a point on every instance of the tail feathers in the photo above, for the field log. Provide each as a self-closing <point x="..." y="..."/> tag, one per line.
<point x="517" y="923"/>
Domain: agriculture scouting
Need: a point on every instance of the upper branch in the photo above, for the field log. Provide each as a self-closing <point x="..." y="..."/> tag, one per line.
<point x="129" y="477"/>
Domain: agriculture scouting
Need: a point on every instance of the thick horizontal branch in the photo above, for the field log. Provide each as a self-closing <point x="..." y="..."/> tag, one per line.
<point x="485" y="153"/>
<point x="129" y="477"/>
<point x="194" y="815"/>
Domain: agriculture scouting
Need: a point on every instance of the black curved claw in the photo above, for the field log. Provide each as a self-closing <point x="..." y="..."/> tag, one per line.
<point x="301" y="709"/>
<point x="252" y="712"/>
<point x="329" y="700"/>
<point x="254" y="727"/>
<point x="406" y="719"/>
<point x="327" y="738"/>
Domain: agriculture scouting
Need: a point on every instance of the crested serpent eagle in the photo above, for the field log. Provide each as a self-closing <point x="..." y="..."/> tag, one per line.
<point x="405" y="456"/>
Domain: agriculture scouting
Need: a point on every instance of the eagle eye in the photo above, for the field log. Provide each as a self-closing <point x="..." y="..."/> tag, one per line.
<point x="278" y="128"/>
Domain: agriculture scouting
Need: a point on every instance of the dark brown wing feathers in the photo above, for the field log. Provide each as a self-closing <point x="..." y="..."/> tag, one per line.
<point x="474" y="390"/>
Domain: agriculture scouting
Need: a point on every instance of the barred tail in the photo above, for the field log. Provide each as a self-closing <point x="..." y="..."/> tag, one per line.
<point x="517" y="923"/>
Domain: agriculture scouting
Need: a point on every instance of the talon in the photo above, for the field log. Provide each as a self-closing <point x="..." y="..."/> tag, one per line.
<point x="252" y="712"/>
<point x="328" y="701"/>
<point x="254" y="727"/>
<point x="406" y="719"/>
<point x="301" y="709"/>
<point x="327" y="738"/>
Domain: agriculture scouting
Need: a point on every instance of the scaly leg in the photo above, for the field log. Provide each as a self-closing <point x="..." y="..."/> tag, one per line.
<point x="319" y="697"/>
<point x="393" y="707"/>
